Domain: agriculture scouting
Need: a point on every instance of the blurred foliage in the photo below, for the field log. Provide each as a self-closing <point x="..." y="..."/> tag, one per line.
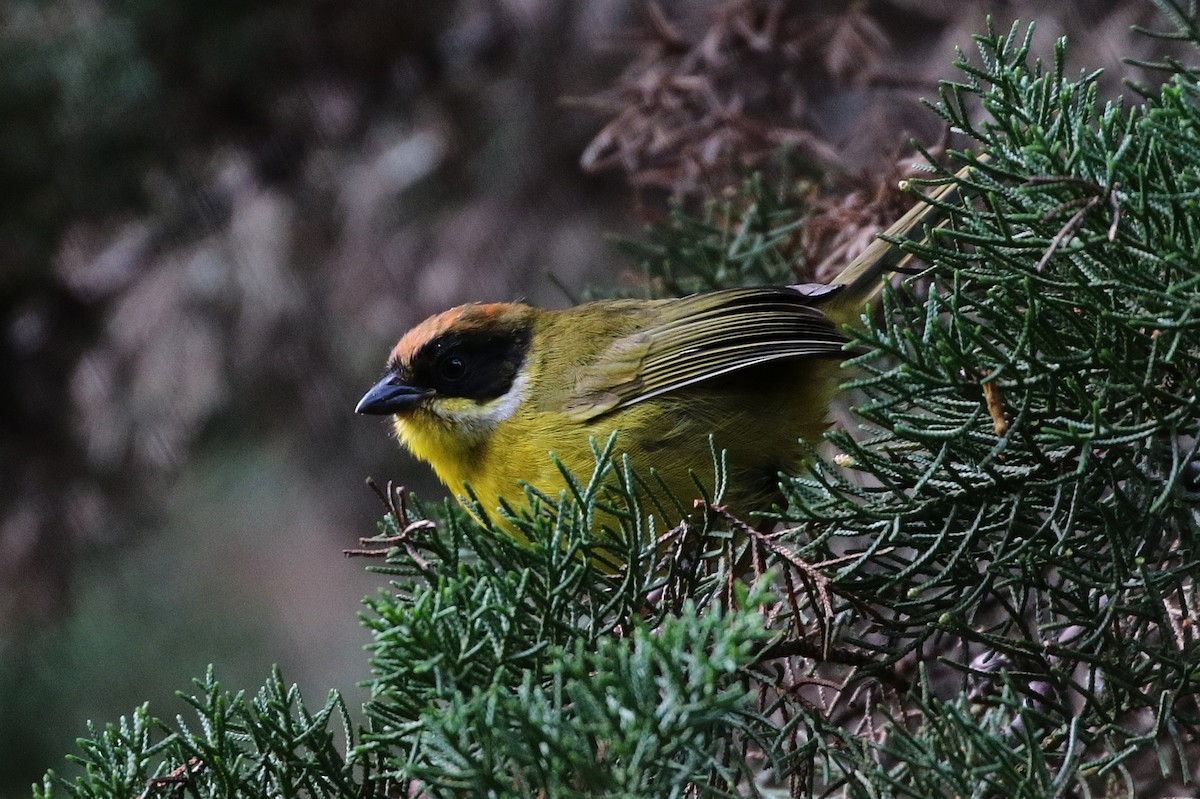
<point x="81" y="83"/>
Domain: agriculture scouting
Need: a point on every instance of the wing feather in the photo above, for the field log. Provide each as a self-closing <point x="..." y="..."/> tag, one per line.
<point x="698" y="338"/>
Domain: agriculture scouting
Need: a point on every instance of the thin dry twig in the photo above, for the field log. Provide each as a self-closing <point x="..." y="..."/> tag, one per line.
<point x="395" y="504"/>
<point x="754" y="561"/>
<point x="1097" y="193"/>
<point x="178" y="780"/>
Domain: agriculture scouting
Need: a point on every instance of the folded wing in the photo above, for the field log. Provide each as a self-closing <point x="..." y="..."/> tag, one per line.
<point x="705" y="336"/>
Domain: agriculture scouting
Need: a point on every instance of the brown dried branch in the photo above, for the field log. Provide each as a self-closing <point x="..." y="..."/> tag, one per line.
<point x="750" y="553"/>
<point x="395" y="505"/>
<point x="1096" y="194"/>
<point x="840" y="228"/>
<point x="178" y="780"/>
<point x="691" y="115"/>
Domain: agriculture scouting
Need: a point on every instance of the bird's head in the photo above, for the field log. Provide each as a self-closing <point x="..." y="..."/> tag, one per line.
<point x="457" y="375"/>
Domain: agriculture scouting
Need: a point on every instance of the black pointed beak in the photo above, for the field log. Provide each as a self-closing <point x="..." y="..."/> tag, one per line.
<point x="390" y="395"/>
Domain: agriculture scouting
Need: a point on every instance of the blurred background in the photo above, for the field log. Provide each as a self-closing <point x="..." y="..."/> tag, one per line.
<point x="217" y="217"/>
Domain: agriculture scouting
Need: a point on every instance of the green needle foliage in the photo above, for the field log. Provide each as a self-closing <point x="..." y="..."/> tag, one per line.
<point x="1028" y="511"/>
<point x="743" y="240"/>
<point x="268" y="745"/>
<point x="991" y="593"/>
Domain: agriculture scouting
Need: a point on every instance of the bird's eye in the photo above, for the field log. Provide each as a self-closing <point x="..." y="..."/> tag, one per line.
<point x="452" y="368"/>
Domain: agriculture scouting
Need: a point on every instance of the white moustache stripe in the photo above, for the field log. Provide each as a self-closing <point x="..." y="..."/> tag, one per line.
<point x="487" y="417"/>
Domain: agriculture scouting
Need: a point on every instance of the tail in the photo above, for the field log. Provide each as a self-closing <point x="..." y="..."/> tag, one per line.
<point x="863" y="279"/>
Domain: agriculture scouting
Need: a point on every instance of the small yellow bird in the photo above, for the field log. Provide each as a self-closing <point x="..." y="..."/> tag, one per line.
<point x="486" y="392"/>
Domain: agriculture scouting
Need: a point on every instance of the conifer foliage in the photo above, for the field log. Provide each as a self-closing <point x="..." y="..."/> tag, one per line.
<point x="989" y="591"/>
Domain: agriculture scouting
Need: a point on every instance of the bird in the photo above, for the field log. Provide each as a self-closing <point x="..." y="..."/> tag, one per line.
<point x="495" y="396"/>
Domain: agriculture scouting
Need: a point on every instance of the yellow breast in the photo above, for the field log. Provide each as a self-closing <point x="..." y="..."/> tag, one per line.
<point x="756" y="415"/>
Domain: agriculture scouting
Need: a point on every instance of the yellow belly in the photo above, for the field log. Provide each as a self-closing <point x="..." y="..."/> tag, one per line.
<point x="756" y="418"/>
